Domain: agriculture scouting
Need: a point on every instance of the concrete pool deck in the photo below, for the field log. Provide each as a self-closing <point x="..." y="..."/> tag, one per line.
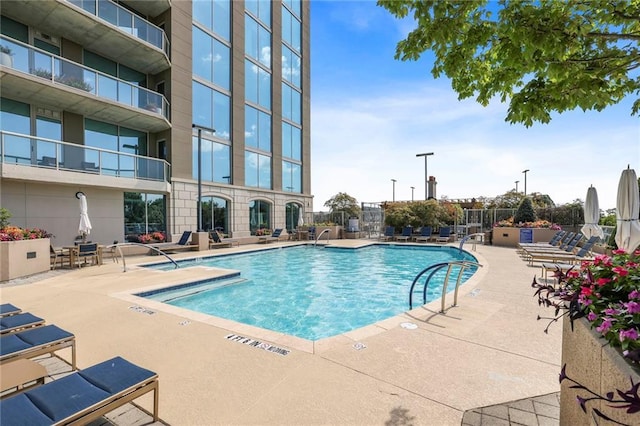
<point x="489" y="350"/>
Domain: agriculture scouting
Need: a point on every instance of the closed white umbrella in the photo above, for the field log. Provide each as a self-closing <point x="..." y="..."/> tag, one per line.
<point x="627" y="211"/>
<point x="84" y="228"/>
<point x="592" y="215"/>
<point x="300" y="220"/>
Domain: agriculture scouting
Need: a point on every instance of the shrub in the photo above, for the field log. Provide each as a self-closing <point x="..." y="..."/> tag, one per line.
<point x="525" y="212"/>
<point x="14" y="233"/>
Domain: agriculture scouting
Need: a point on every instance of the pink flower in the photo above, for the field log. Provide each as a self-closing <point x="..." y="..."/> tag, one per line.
<point x="586" y="291"/>
<point x="591" y="316"/>
<point x="611" y="311"/>
<point x="631" y="334"/>
<point x="619" y="251"/>
<point x="573" y="274"/>
<point x="605" y="326"/>
<point x="603" y="281"/>
<point x="635" y="294"/>
<point x="620" y="271"/>
<point x="632" y="307"/>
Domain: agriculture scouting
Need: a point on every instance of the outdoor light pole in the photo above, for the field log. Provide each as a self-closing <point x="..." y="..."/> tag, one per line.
<point x="426" y="175"/>
<point x="412" y="188"/>
<point x="517" y="185"/>
<point x="199" y="203"/>
<point x="525" y="181"/>
<point x="394" y="189"/>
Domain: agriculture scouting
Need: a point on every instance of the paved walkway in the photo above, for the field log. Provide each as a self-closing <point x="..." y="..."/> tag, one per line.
<point x="485" y="362"/>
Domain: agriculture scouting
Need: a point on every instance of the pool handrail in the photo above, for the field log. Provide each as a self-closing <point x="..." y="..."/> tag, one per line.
<point x="118" y="246"/>
<point x="463" y="264"/>
<point x="320" y="235"/>
<point x="468" y="237"/>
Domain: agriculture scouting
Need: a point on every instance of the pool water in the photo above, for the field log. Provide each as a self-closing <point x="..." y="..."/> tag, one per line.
<point x="316" y="292"/>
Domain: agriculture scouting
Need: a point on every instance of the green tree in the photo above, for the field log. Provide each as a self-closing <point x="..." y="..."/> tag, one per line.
<point x="5" y="215"/>
<point x="540" y="55"/>
<point x="343" y="202"/>
<point x="525" y="212"/>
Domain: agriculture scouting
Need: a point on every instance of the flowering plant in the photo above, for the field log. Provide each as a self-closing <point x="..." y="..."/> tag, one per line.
<point x="153" y="236"/>
<point x="14" y="233"/>
<point x="537" y="224"/>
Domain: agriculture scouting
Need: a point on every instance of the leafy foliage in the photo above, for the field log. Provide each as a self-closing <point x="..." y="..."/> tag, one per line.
<point x="525" y="212"/>
<point x="343" y="202"/>
<point x="539" y="55"/>
<point x="419" y="213"/>
<point x="5" y="215"/>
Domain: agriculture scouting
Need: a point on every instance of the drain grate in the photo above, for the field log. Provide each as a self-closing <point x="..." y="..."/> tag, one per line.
<point x="141" y="310"/>
<point x="257" y="344"/>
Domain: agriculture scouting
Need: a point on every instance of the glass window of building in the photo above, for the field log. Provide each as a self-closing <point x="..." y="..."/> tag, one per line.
<point x="216" y="161"/>
<point x="108" y="136"/>
<point x="291" y="177"/>
<point x="212" y="109"/>
<point x="215" y="214"/>
<point x="15" y="117"/>
<point x="291" y="29"/>
<point x="293" y="212"/>
<point x="291" y="142"/>
<point x="257" y="131"/>
<point x="210" y="59"/>
<point x="214" y="15"/>
<point x="257" y="85"/>
<point x="293" y="5"/>
<point x="259" y="215"/>
<point x="291" y="104"/>
<point x="261" y="9"/>
<point x="257" y="170"/>
<point x="48" y="128"/>
<point x="290" y="66"/>
<point x="143" y="214"/>
<point x="257" y="41"/>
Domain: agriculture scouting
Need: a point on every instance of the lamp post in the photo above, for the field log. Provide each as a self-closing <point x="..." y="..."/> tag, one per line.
<point x="412" y="188"/>
<point x="394" y="189"/>
<point x="517" y="185"/>
<point x="199" y="203"/>
<point x="426" y="175"/>
<point x="525" y="181"/>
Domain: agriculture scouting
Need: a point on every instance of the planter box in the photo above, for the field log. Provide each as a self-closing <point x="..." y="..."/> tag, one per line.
<point x="335" y="232"/>
<point x="593" y="363"/>
<point x="22" y="258"/>
<point x="510" y="237"/>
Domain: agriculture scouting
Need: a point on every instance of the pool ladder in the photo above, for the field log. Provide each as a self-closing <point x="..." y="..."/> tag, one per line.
<point x="462" y="264"/>
<point x="474" y="240"/>
<point x="117" y="248"/>
<point x="315" y="243"/>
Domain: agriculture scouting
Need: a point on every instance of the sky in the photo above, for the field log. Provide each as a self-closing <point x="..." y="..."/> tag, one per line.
<point x="371" y="115"/>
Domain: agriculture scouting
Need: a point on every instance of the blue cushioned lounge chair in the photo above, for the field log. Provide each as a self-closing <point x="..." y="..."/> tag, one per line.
<point x="18" y="322"/>
<point x="444" y="234"/>
<point x="561" y="256"/>
<point x="388" y="233"/>
<point x="425" y="234"/>
<point x="7" y="309"/>
<point x="36" y="341"/>
<point x="406" y="234"/>
<point x="180" y="245"/>
<point x="83" y="396"/>
<point x="273" y="237"/>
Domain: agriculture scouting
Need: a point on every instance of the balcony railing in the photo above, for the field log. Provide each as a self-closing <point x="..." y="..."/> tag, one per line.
<point x="126" y="21"/>
<point x="58" y="70"/>
<point x="20" y="149"/>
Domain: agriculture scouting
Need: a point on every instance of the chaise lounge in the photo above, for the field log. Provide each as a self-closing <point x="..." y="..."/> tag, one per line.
<point x="83" y="396"/>
<point x="425" y="234"/>
<point x="273" y="237"/>
<point x="36" y="341"/>
<point x="216" y="240"/>
<point x="22" y="321"/>
<point x="180" y="245"/>
<point x="7" y="309"/>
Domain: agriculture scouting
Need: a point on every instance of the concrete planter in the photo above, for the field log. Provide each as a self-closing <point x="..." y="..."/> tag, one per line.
<point x="593" y="363"/>
<point x="22" y="258"/>
<point x="510" y="237"/>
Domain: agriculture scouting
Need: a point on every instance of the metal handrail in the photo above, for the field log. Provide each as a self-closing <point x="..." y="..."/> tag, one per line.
<point x="463" y="264"/>
<point x="468" y="237"/>
<point x="124" y="263"/>
<point x="320" y="235"/>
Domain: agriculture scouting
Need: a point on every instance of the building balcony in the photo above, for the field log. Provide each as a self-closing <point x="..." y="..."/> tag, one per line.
<point x="25" y="157"/>
<point x="149" y="8"/>
<point x="32" y="75"/>
<point x="101" y="26"/>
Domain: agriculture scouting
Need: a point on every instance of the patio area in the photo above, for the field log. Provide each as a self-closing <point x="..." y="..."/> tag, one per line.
<point x="486" y="361"/>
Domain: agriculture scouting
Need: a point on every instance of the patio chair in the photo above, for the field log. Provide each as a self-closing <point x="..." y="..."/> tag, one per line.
<point x="559" y="256"/>
<point x="83" y="396"/>
<point x="216" y="240"/>
<point x="406" y="234"/>
<point x="180" y="245"/>
<point x="275" y="236"/>
<point x="563" y="248"/>
<point x="84" y="252"/>
<point x="36" y="341"/>
<point x="557" y="239"/>
<point x="425" y="234"/>
<point x="444" y="234"/>
<point x="19" y="322"/>
<point x="388" y="233"/>
<point x="7" y="309"/>
<point x="312" y="233"/>
<point x="56" y="254"/>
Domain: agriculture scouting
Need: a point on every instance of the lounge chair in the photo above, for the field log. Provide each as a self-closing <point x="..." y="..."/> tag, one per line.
<point x="388" y="233"/>
<point x="425" y="234"/>
<point x="18" y="322"/>
<point x="36" y="341"/>
<point x="555" y="241"/>
<point x="182" y="244"/>
<point x="559" y="256"/>
<point x="406" y="234"/>
<point x="216" y="240"/>
<point x="564" y="248"/>
<point x="83" y="396"/>
<point x="444" y="234"/>
<point x="7" y="309"/>
<point x="275" y="236"/>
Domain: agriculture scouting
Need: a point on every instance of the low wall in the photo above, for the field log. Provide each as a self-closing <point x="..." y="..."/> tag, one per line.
<point x="593" y="363"/>
<point x="510" y="237"/>
<point x="23" y="258"/>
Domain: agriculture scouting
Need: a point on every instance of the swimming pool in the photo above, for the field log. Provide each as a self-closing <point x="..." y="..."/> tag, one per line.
<point x="313" y="292"/>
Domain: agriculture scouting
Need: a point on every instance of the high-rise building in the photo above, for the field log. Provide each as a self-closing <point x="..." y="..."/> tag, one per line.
<point x="168" y="115"/>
